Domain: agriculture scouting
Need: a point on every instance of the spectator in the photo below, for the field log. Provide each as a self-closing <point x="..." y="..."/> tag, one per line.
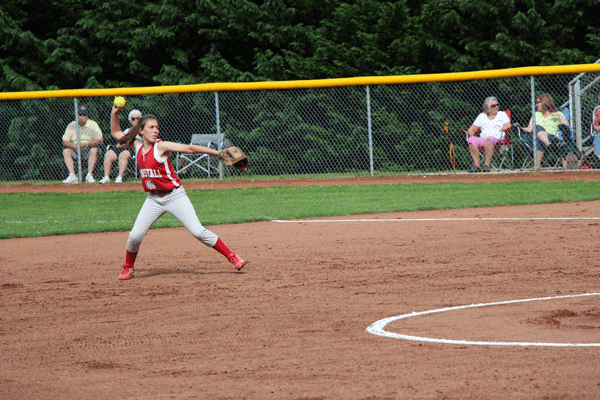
<point x="121" y="152"/>
<point x="547" y="121"/>
<point x="90" y="140"/>
<point x="596" y="130"/>
<point x="492" y="124"/>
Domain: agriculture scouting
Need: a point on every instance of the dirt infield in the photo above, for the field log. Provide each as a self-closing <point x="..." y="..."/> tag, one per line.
<point x="292" y="324"/>
<point x="555" y="176"/>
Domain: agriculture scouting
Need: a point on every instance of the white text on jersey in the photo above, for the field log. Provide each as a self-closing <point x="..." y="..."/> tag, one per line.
<point x="150" y="173"/>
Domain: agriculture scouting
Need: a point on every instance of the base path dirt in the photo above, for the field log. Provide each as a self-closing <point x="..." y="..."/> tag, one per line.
<point x="555" y="176"/>
<point x="293" y="324"/>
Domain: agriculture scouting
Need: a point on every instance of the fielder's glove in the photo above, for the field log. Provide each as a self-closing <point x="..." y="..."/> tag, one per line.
<point x="234" y="157"/>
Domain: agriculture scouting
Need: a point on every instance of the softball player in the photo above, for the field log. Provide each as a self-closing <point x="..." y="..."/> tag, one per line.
<point x="165" y="193"/>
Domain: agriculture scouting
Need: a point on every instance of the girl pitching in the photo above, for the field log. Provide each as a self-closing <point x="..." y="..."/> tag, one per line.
<point x="165" y="193"/>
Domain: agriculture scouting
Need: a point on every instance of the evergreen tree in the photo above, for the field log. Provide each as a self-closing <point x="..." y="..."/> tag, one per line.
<point x="71" y="44"/>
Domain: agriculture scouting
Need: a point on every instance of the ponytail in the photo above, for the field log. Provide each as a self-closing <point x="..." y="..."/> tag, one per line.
<point x="134" y="131"/>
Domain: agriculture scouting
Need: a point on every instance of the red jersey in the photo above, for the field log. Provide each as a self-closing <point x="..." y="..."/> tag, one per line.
<point x="157" y="173"/>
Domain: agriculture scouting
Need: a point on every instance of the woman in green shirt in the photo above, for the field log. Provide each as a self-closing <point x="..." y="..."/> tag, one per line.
<point x="547" y="121"/>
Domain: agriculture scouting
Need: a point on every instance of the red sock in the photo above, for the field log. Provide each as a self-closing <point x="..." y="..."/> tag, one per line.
<point x="129" y="259"/>
<point x="221" y="248"/>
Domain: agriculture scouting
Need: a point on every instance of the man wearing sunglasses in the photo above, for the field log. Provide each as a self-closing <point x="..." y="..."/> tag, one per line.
<point x="119" y="152"/>
<point x="90" y="140"/>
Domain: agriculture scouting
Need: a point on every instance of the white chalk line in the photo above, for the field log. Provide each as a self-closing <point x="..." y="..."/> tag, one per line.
<point x="66" y="222"/>
<point x="341" y="220"/>
<point x="438" y="219"/>
<point x="378" y="327"/>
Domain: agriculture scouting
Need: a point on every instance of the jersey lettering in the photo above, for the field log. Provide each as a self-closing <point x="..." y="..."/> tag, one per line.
<point x="157" y="173"/>
<point x="150" y="173"/>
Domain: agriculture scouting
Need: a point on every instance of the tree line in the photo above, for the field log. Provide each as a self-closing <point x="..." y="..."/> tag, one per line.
<point x="68" y="44"/>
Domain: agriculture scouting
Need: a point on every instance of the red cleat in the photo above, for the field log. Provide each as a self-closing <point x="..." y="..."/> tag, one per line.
<point x="127" y="273"/>
<point x="237" y="261"/>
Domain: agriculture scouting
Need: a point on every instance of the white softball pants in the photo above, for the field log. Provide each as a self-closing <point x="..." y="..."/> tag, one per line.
<point x="175" y="203"/>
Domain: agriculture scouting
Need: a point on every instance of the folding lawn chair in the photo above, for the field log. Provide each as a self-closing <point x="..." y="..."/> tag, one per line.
<point x="203" y="163"/>
<point x="560" y="154"/>
<point x="503" y="151"/>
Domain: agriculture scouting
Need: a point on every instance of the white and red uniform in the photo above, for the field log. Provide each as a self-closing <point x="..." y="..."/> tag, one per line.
<point x="165" y="194"/>
<point x="157" y="173"/>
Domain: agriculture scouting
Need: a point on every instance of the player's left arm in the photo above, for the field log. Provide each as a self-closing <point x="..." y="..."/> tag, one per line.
<point x="165" y="148"/>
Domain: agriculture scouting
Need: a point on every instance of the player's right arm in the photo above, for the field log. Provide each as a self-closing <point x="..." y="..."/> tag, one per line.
<point x="115" y="126"/>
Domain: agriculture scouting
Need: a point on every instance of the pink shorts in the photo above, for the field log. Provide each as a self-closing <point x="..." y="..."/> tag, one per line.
<point x="479" y="142"/>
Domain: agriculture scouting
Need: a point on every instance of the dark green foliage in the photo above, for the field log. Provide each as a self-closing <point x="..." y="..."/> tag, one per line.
<point x="33" y="148"/>
<point x="114" y="43"/>
<point x="100" y="43"/>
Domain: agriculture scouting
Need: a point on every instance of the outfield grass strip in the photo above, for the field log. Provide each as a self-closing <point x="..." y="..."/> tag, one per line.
<point x="44" y="214"/>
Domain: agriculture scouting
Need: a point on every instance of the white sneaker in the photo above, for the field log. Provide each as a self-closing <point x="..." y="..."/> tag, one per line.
<point x="71" y="179"/>
<point x="106" y="179"/>
<point x="89" y="178"/>
<point x="118" y="179"/>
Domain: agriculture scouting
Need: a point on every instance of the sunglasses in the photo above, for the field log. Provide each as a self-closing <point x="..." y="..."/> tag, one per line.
<point x="82" y="115"/>
<point x="135" y="118"/>
<point x="494" y="105"/>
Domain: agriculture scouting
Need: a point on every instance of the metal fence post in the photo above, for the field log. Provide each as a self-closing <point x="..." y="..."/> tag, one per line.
<point x="577" y="112"/>
<point x="78" y="133"/>
<point x="218" y="122"/>
<point x="533" y="130"/>
<point x="369" y="130"/>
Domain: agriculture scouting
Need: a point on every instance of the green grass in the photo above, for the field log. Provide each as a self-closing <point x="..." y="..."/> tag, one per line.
<point x="44" y="214"/>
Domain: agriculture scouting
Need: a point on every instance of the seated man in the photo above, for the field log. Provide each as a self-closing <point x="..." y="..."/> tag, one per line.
<point x="121" y="152"/>
<point x="493" y="124"/>
<point x="90" y="139"/>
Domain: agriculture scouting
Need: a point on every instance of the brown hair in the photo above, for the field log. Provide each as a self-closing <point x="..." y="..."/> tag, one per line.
<point x="134" y="131"/>
<point x="547" y="103"/>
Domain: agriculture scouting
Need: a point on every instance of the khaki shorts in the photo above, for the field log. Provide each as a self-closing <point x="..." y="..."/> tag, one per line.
<point x="85" y="152"/>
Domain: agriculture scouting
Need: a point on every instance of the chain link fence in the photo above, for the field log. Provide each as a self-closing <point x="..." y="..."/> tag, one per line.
<point x="346" y="130"/>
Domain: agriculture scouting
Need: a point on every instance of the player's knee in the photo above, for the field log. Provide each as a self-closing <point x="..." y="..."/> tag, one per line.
<point x="134" y="241"/>
<point x="205" y="236"/>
